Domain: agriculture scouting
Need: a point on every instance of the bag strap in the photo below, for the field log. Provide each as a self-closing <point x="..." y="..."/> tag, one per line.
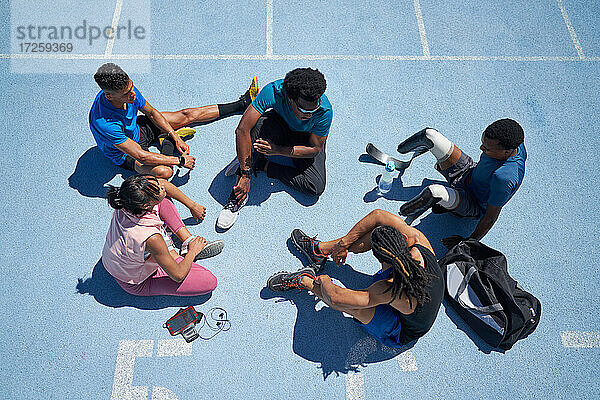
<point x="481" y="309"/>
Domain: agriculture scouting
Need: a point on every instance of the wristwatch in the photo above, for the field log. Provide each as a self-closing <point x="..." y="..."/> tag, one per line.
<point x="181" y="161"/>
<point x="246" y="172"/>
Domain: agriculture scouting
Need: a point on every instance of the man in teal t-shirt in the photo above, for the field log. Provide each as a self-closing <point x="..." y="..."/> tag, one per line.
<point x="477" y="190"/>
<point x="283" y="132"/>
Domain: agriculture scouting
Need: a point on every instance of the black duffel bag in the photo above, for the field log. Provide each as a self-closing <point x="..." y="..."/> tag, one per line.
<point x="482" y="292"/>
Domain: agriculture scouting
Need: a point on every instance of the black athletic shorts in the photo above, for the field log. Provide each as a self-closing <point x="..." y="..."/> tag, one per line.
<point x="149" y="134"/>
<point x="456" y="174"/>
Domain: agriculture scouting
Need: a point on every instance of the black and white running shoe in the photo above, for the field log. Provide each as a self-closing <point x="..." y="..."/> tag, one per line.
<point x="230" y="212"/>
<point x="283" y="280"/>
<point x="309" y="247"/>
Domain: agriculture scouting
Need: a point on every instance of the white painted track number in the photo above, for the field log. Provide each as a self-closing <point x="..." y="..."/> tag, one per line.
<point x="128" y="351"/>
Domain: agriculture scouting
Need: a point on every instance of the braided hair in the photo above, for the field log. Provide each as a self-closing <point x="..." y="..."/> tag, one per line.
<point x="136" y="194"/>
<point x="390" y="247"/>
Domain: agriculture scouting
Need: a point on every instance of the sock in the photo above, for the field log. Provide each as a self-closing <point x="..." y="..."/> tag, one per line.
<point x="317" y="249"/>
<point x="442" y="147"/>
<point x="185" y="244"/>
<point x="449" y="197"/>
<point x="236" y="107"/>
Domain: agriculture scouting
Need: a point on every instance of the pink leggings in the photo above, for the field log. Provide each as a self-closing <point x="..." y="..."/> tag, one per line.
<point x="198" y="281"/>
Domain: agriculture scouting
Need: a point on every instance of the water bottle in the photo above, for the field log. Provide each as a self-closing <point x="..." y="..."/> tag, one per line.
<point x="385" y="182"/>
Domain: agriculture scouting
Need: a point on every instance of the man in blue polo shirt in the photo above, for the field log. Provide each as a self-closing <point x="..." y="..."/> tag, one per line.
<point x="477" y="190"/>
<point x="283" y="132"/>
<point x="124" y="138"/>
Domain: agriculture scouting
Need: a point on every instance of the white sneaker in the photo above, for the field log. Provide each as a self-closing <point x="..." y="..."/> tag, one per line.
<point x="232" y="168"/>
<point x="230" y="212"/>
<point x="210" y="250"/>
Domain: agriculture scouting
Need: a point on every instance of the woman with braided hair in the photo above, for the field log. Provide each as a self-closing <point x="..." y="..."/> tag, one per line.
<point x="402" y="302"/>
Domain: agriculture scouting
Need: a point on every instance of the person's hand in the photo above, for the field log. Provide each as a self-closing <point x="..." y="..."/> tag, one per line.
<point x="198" y="211"/>
<point x="182" y="146"/>
<point x="265" y="147"/>
<point x="242" y="188"/>
<point x="339" y="252"/>
<point x="322" y="286"/>
<point x="452" y="241"/>
<point x="317" y="289"/>
<point x="196" y="245"/>
<point x="190" y="161"/>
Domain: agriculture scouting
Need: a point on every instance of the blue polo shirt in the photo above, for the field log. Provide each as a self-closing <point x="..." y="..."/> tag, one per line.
<point x="111" y="126"/>
<point x="493" y="182"/>
<point x="273" y="96"/>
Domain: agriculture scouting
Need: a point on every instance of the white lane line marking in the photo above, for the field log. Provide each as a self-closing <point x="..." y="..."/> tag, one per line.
<point x="114" y="27"/>
<point x="161" y="393"/>
<point x="580" y="339"/>
<point x="128" y="351"/>
<point x="269" y="28"/>
<point x="407" y="361"/>
<point x="574" y="38"/>
<point x="355" y="386"/>
<point x="422" y="33"/>
<point x="173" y="348"/>
<point x="279" y="57"/>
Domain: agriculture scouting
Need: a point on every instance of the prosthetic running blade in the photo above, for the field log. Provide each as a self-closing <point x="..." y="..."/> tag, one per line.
<point x="385" y="158"/>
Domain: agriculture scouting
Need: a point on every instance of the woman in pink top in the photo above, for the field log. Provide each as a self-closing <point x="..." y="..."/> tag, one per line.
<point x="139" y="252"/>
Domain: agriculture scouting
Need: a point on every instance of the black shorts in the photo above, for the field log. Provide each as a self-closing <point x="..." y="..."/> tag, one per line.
<point x="308" y="174"/>
<point x="149" y="134"/>
<point x="456" y="174"/>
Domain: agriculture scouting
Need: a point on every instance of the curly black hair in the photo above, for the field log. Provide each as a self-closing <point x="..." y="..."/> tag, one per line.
<point x="389" y="246"/>
<point x="307" y="83"/>
<point x="507" y="131"/>
<point x="111" y="78"/>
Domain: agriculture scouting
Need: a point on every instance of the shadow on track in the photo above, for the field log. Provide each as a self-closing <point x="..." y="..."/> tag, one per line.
<point x="93" y="171"/>
<point x="261" y="189"/>
<point x="326" y="336"/>
<point x="106" y="291"/>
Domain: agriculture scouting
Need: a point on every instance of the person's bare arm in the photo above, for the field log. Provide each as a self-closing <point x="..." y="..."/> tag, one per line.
<point x="243" y="140"/>
<point x="175" y="193"/>
<point x="243" y="145"/>
<point x="161" y="123"/>
<point x="134" y="150"/>
<point x="157" y="247"/>
<point x="343" y="299"/>
<point x="374" y="219"/>
<point x="487" y="221"/>
<point x="483" y="227"/>
<point x="268" y="148"/>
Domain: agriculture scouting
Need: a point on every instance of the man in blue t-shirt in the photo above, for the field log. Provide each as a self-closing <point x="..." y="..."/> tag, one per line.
<point x="478" y="190"/>
<point x="283" y="132"/>
<point x="124" y="138"/>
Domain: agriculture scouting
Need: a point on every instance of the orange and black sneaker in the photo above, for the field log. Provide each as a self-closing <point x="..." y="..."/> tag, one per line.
<point x="283" y="280"/>
<point x="309" y="247"/>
